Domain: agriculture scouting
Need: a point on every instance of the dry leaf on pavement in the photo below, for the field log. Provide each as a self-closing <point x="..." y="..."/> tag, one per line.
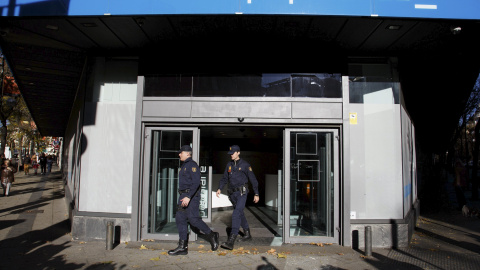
<point x="271" y="251"/>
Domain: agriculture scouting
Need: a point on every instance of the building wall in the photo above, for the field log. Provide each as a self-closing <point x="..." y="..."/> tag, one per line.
<point x="108" y="132"/>
<point x="72" y="149"/>
<point x="376" y="162"/>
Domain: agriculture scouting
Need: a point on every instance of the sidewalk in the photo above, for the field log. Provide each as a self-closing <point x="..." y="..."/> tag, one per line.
<point x="34" y="234"/>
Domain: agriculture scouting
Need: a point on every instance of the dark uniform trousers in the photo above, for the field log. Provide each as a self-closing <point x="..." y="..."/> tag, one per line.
<point x="237" y="174"/>
<point x="190" y="214"/>
<point x="238" y="217"/>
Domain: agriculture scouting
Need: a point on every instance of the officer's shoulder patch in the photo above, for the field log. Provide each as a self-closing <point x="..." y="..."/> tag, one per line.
<point x="240" y="168"/>
<point x="250" y="168"/>
<point x="194" y="169"/>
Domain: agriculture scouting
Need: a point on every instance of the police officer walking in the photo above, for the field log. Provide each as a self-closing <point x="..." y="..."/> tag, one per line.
<point x="188" y="204"/>
<point x="237" y="173"/>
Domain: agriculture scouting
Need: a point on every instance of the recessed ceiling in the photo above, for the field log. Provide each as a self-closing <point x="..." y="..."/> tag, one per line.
<point x="48" y="54"/>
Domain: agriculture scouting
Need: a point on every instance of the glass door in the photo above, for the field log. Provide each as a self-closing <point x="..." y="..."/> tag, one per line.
<point x="160" y="179"/>
<point x="311" y="186"/>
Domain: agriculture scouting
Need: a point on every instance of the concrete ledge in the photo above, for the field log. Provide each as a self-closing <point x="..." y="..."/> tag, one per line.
<point x="87" y="228"/>
<point x="390" y="234"/>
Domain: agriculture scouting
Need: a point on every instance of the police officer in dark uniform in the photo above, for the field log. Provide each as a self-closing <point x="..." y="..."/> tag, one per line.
<point x="188" y="204"/>
<point x="237" y="173"/>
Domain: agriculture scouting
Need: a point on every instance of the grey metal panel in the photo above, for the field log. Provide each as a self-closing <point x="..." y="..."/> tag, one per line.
<point x="345" y="145"/>
<point x="237" y="109"/>
<point x="137" y="157"/>
<point x="174" y="120"/>
<point x="167" y="108"/>
<point x="316" y="110"/>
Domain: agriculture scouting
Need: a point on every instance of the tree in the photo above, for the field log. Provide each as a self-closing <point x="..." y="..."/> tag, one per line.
<point x="15" y="119"/>
<point x="468" y="133"/>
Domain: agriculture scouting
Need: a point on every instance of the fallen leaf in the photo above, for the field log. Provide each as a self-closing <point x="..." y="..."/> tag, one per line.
<point x="281" y="255"/>
<point x="148" y="240"/>
<point x="143" y="247"/>
<point x="155" y="259"/>
<point x="341" y="254"/>
<point x="82" y="242"/>
<point x="222" y="253"/>
<point x="201" y="246"/>
<point x="163" y="253"/>
<point x="271" y="251"/>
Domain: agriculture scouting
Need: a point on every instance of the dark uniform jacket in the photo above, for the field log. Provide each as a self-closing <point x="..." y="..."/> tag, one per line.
<point x="237" y="173"/>
<point x="189" y="177"/>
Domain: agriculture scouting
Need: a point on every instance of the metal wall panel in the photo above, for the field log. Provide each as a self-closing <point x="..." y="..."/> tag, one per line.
<point x="317" y="110"/>
<point x="166" y="108"/>
<point x="242" y="109"/>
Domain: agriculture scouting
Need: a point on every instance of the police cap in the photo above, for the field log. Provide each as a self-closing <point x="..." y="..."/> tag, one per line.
<point x="185" y="148"/>
<point x="233" y="149"/>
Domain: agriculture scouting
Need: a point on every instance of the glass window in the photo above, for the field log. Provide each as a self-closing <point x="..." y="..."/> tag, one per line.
<point x="263" y="85"/>
<point x="168" y="86"/>
<point x="374" y="90"/>
<point x="253" y="85"/>
<point x="317" y="85"/>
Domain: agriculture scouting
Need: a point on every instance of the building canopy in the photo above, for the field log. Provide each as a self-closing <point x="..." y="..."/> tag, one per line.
<point x="47" y="44"/>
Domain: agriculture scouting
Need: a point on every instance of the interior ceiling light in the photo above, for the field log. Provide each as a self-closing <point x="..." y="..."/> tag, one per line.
<point x="52" y="27"/>
<point x="89" y="24"/>
<point x="394" y="27"/>
<point x="456" y="30"/>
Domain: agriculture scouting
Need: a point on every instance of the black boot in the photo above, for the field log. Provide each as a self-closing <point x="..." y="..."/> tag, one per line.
<point x="246" y="237"/>
<point x="182" y="248"/>
<point x="213" y="239"/>
<point x="230" y="242"/>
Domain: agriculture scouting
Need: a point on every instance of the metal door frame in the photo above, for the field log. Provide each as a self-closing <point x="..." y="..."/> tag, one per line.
<point x="286" y="188"/>
<point x="146" y="181"/>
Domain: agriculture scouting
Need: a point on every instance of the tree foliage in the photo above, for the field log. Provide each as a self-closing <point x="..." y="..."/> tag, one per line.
<point x="16" y="125"/>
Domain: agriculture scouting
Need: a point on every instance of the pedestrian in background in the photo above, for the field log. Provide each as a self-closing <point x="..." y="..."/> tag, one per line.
<point x="49" y="163"/>
<point x="26" y="164"/>
<point x="43" y="163"/>
<point x="7" y="176"/>
<point x="237" y="173"/>
<point x="189" y="203"/>
<point x="35" y="166"/>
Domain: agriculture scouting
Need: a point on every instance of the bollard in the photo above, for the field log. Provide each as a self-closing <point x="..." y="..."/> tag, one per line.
<point x="368" y="241"/>
<point x="109" y="235"/>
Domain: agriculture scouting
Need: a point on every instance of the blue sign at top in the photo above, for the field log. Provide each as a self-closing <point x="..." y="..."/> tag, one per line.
<point x="440" y="9"/>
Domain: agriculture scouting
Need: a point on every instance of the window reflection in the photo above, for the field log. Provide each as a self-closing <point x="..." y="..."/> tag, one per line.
<point x="318" y="85"/>
<point x="253" y="85"/>
<point x="383" y="88"/>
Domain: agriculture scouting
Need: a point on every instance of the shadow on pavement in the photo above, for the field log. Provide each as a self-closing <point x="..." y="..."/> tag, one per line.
<point x="34" y="250"/>
<point x="383" y="262"/>
<point x="462" y="244"/>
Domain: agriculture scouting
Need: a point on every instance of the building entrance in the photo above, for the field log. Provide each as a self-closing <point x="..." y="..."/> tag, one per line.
<point x="302" y="209"/>
<point x="262" y="147"/>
